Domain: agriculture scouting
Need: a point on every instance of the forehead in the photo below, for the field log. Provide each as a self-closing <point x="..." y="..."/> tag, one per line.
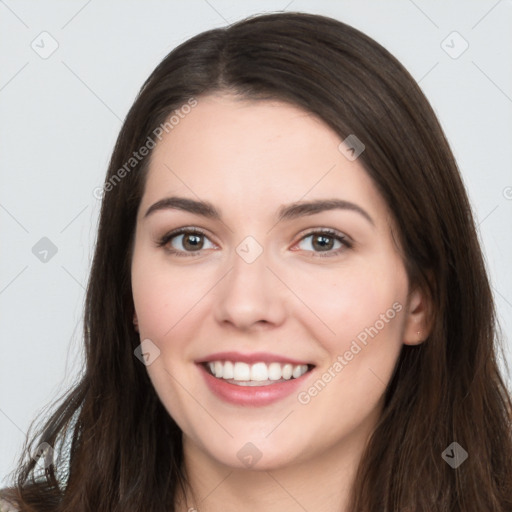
<point x="241" y="127"/>
<point x="254" y="154"/>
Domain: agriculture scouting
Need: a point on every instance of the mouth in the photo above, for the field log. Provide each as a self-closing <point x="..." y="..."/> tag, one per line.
<point x="243" y="374"/>
<point x="254" y="380"/>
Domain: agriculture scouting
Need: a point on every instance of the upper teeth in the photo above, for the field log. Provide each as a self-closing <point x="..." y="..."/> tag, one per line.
<point x="256" y="372"/>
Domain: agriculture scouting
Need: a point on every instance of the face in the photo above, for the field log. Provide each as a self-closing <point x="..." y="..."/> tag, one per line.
<point x="265" y="256"/>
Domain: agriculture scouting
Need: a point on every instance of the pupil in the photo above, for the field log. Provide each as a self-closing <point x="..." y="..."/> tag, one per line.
<point x="323" y="242"/>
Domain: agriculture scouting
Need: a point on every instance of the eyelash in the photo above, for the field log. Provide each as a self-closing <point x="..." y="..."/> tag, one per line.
<point x="195" y="231"/>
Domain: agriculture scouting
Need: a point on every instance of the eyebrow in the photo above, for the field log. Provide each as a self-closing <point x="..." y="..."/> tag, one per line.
<point x="288" y="212"/>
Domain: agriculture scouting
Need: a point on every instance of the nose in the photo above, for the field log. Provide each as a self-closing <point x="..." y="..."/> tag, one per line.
<point x="250" y="296"/>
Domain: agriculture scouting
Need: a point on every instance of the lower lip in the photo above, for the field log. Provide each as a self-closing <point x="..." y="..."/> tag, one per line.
<point x="251" y="395"/>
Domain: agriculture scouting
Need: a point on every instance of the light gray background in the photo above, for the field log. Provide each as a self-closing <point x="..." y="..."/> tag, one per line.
<point x="61" y="115"/>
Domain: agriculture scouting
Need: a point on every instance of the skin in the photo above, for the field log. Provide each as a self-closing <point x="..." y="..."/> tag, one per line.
<point x="249" y="158"/>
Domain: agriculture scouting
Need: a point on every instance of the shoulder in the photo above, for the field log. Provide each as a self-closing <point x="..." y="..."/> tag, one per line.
<point x="6" y="506"/>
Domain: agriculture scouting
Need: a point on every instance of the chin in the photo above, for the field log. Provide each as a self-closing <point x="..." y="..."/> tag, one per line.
<point x="254" y="455"/>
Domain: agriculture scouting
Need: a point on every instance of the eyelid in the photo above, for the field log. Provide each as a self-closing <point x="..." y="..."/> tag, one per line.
<point x="328" y="231"/>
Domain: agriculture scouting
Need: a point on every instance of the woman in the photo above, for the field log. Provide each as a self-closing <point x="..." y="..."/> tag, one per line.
<point x="288" y="306"/>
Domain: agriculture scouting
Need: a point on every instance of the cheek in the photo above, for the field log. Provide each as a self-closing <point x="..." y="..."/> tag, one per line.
<point x="164" y="301"/>
<point x="164" y="296"/>
<point x="344" y="304"/>
<point x="151" y="300"/>
<point x="366" y="314"/>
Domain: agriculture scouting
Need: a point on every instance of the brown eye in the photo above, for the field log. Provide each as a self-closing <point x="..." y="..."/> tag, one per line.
<point x="185" y="242"/>
<point x="192" y="242"/>
<point x="325" y="241"/>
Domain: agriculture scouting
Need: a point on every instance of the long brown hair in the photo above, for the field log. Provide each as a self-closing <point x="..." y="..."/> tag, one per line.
<point x="116" y="447"/>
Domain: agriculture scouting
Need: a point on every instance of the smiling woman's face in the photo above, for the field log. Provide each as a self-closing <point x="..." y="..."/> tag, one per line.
<point x="262" y="287"/>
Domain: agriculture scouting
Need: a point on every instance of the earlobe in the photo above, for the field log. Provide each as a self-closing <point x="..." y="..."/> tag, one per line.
<point x="418" y="321"/>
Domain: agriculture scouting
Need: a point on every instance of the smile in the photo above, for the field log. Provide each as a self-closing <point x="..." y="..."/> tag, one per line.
<point x="253" y="380"/>
<point x="257" y="374"/>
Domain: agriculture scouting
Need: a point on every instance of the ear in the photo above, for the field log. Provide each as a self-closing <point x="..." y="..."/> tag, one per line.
<point x="418" y="322"/>
<point x="135" y="322"/>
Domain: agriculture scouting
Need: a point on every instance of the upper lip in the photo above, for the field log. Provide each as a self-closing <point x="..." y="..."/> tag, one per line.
<point x="255" y="357"/>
